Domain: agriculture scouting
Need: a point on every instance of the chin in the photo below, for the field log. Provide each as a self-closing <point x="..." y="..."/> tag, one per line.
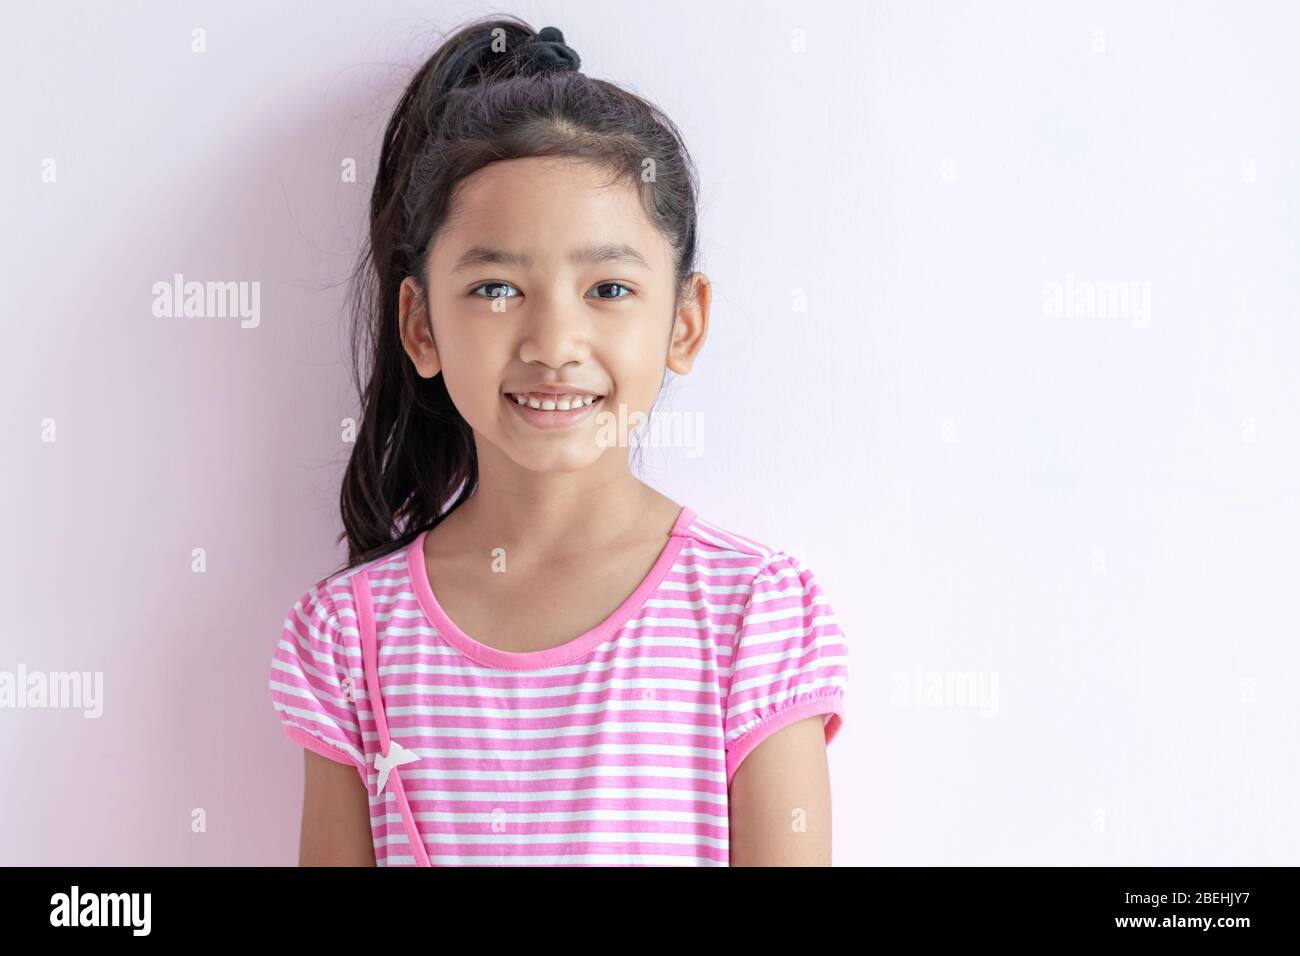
<point x="554" y="460"/>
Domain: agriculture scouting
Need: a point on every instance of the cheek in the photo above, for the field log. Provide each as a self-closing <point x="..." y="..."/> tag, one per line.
<point x="472" y="354"/>
<point x="636" y="361"/>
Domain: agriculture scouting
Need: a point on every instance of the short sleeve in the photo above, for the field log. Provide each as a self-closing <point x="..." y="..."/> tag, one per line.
<point x="789" y="660"/>
<point x="316" y="677"/>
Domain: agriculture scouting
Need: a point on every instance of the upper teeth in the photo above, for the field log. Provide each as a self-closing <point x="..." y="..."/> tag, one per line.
<point x="551" y="402"/>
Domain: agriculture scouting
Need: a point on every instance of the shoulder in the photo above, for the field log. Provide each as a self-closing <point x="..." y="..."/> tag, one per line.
<point x="718" y="548"/>
<point x="329" y="605"/>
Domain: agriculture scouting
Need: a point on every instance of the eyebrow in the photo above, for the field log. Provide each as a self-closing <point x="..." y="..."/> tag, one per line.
<point x="607" y="252"/>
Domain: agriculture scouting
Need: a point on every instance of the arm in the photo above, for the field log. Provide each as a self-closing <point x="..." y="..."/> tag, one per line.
<point x="335" y="815"/>
<point x="780" y="800"/>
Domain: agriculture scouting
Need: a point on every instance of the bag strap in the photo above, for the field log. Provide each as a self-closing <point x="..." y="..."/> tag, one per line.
<point x="370" y="665"/>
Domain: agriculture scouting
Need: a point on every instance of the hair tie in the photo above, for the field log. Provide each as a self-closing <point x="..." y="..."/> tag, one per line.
<point x="546" y="50"/>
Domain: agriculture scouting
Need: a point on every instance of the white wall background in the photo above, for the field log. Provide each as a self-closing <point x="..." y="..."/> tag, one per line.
<point x="1095" y="518"/>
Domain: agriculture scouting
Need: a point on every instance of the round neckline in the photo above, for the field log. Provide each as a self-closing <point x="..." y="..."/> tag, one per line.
<point x="564" y="653"/>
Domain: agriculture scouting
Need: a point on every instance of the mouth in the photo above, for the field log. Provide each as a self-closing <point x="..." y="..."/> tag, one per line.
<point x="552" y="411"/>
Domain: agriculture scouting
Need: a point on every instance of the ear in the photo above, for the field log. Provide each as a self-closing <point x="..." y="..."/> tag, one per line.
<point x="416" y="328"/>
<point x="691" y="324"/>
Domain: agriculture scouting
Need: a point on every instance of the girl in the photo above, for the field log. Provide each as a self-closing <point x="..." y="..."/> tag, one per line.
<point x="528" y="281"/>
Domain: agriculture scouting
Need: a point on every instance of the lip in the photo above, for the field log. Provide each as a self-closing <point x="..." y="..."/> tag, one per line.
<point x="552" y="389"/>
<point x="539" y="418"/>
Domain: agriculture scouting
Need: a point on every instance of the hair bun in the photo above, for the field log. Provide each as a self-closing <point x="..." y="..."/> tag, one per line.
<point x="546" y="50"/>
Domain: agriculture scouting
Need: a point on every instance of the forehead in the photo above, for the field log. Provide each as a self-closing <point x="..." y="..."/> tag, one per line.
<point x="545" y="205"/>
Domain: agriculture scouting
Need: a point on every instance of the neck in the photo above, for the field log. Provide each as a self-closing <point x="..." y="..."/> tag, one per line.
<point x="560" y="513"/>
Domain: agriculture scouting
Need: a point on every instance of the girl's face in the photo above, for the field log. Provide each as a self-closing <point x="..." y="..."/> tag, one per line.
<point x="548" y="277"/>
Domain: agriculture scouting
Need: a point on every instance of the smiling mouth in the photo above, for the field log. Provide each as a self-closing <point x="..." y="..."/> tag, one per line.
<point x="546" y="412"/>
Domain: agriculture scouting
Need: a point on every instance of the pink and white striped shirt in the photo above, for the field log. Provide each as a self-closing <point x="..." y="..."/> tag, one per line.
<point x="615" y="748"/>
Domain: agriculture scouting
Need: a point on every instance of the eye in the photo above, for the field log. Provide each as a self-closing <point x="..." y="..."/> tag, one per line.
<point x="494" y="295"/>
<point x="616" y="285"/>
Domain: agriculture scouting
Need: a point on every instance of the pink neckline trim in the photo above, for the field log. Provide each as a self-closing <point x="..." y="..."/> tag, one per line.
<point x="564" y="653"/>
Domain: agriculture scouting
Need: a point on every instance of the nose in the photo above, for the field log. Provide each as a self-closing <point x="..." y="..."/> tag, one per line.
<point x="555" y="330"/>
